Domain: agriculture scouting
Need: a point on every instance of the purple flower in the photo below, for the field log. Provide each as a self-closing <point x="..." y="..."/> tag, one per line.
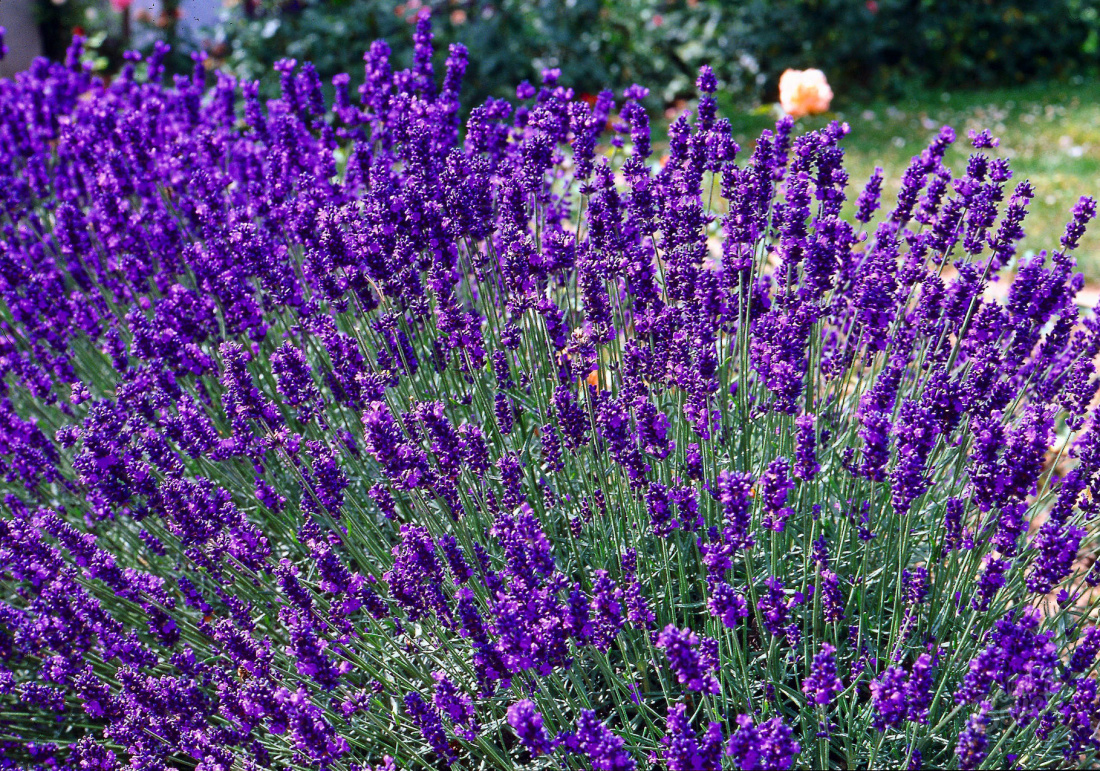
<point x="291" y="390"/>
<point x="1057" y="545"/>
<point x="416" y="579"/>
<point x="769" y="745"/>
<point x="727" y="605"/>
<point x="683" y="751"/>
<point x="1018" y="659"/>
<point x="916" y="434"/>
<point x="775" y="485"/>
<point x="693" y="660"/>
<point x="603" y="748"/>
<point x="638" y="611"/>
<point x="1083" y="212"/>
<point x="971" y="747"/>
<point x="868" y="201"/>
<point x="1085" y="653"/>
<point x="428" y="721"/>
<point x="456" y="705"/>
<point x="953" y="524"/>
<point x="982" y="139"/>
<point x="805" y="461"/>
<point x="832" y="598"/>
<point x="607" y="611"/>
<point x="773" y="606"/>
<point x="526" y="721"/>
<point x="888" y="695"/>
<point x="991" y="581"/>
<point x="823" y="683"/>
<point x="1077" y="714"/>
<point x="735" y="493"/>
<point x="919" y="689"/>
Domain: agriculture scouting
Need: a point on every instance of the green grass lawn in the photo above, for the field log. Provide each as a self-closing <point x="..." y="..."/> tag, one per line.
<point x="1050" y="132"/>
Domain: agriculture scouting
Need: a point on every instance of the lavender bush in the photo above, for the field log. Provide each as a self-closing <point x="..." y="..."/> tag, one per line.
<point x="347" y="437"/>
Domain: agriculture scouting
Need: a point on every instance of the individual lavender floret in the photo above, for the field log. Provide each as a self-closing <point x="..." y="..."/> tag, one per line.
<point x="1077" y="716"/>
<point x="769" y="745"/>
<point x="660" y="510"/>
<point x="707" y="84"/>
<point x="637" y="604"/>
<point x="832" y="598"/>
<point x="953" y="524"/>
<point x="689" y="659"/>
<point x="992" y="580"/>
<point x="916" y="435"/>
<point x="919" y="689"/>
<point x="1010" y="231"/>
<point x="607" y="611"/>
<point x="915" y="582"/>
<point x="551" y="448"/>
<point x="638" y="120"/>
<point x="456" y="559"/>
<point x="823" y="683"/>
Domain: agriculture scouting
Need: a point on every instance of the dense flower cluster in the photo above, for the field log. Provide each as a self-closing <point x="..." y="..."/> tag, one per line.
<point x="355" y="435"/>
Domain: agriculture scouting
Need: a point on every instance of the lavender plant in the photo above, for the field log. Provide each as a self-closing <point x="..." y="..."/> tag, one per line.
<point x="342" y="436"/>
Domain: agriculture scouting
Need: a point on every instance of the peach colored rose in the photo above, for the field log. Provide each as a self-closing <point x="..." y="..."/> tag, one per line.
<point x="804" y="92"/>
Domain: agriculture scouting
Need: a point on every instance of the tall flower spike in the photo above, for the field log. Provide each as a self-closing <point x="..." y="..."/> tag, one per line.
<point x="689" y="659"/>
<point x="768" y="745"/>
<point x="526" y="721"/>
<point x="823" y="683"/>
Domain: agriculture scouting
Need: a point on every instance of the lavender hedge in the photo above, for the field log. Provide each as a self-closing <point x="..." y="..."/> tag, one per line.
<point x="347" y="437"/>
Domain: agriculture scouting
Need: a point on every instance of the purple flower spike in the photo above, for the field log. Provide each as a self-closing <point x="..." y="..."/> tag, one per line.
<point x="683" y="751"/>
<point x="526" y="721"/>
<point x="769" y="745"/>
<point x="690" y="658"/>
<point x="971" y="748"/>
<point x="823" y="683"/>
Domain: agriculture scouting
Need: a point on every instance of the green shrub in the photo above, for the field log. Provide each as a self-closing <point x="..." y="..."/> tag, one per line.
<point x="864" y="47"/>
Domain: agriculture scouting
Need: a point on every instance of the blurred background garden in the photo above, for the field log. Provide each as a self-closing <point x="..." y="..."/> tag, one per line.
<point x="899" y="69"/>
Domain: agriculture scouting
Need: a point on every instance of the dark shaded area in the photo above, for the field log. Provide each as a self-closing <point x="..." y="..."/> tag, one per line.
<point x="865" y="48"/>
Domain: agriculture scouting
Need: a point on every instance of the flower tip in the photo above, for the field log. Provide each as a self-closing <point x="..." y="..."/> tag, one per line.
<point x="982" y="139"/>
